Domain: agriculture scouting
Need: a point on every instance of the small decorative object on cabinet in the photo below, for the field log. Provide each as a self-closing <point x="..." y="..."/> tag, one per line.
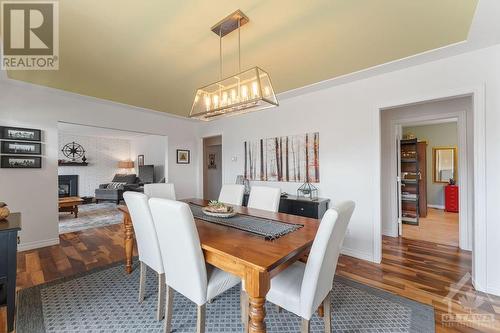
<point x="240" y="179"/>
<point x="8" y="250"/>
<point x="4" y="211"/>
<point x="307" y="191"/>
<point x="451" y="198"/>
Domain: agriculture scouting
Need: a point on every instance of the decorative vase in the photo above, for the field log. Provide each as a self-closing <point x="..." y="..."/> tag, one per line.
<point x="4" y="211"/>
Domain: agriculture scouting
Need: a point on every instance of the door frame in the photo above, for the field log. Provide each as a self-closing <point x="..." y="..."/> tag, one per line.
<point x="201" y="177"/>
<point x="465" y="203"/>
<point x="479" y="246"/>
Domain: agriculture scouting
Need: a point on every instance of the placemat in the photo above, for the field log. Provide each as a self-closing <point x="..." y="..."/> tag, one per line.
<point x="267" y="228"/>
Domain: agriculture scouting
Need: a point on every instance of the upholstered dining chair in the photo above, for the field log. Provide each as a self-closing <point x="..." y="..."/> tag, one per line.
<point x="232" y="194"/>
<point x="266" y="198"/>
<point x="147" y="245"/>
<point x="302" y="288"/>
<point x="160" y="190"/>
<point x="188" y="273"/>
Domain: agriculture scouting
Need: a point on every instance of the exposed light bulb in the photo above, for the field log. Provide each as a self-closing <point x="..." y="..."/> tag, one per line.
<point x="267" y="91"/>
<point x="216" y="101"/>
<point x="244" y="92"/>
<point x="224" y="98"/>
<point x="207" y="102"/>
<point x="255" y="89"/>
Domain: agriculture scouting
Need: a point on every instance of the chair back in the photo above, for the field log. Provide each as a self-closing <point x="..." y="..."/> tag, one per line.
<point x="145" y="232"/>
<point x="183" y="259"/>
<point x="322" y="260"/>
<point x="266" y="198"/>
<point x="160" y="190"/>
<point x="232" y="194"/>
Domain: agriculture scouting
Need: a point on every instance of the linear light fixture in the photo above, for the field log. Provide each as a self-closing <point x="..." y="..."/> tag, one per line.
<point x="246" y="91"/>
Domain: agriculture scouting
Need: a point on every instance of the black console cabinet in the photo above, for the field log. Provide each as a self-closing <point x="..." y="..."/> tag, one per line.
<point x="8" y="252"/>
<point x="300" y="206"/>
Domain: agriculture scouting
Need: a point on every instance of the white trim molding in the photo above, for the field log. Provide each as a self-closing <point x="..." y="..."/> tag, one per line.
<point x="477" y="227"/>
<point x="37" y="244"/>
<point x="436" y="206"/>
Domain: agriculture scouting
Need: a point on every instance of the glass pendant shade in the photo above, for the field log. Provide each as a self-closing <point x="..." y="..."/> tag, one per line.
<point x="250" y="90"/>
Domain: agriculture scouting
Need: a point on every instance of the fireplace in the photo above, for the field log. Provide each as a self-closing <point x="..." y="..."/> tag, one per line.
<point x="68" y="186"/>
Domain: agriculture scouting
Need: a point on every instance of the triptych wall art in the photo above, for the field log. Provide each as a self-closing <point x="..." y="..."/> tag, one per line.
<point x="292" y="158"/>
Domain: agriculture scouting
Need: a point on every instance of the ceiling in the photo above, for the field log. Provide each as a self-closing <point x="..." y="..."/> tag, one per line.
<point x="155" y="54"/>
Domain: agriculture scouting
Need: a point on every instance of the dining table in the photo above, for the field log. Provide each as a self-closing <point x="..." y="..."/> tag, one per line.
<point x="252" y="257"/>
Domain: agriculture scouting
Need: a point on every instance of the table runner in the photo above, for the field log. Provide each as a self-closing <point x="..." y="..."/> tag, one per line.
<point x="267" y="228"/>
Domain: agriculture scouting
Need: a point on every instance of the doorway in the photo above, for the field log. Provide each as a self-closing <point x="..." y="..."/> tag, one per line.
<point x="431" y="149"/>
<point x="212" y="167"/>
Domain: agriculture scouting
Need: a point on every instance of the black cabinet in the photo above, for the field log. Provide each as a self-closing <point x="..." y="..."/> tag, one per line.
<point x="300" y="206"/>
<point x="8" y="252"/>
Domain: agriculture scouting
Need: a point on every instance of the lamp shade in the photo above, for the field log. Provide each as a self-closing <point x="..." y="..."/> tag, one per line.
<point x="125" y="164"/>
<point x="250" y="90"/>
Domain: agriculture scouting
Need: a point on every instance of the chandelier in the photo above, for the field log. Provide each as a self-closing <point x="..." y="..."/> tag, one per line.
<point x="246" y="91"/>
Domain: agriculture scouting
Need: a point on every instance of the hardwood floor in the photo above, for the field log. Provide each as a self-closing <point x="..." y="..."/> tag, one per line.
<point x="418" y="270"/>
<point x="438" y="227"/>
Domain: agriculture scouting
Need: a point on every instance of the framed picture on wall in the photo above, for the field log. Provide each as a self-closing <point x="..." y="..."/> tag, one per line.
<point x="183" y="156"/>
<point x="211" y="161"/>
<point x="21" y="162"/>
<point x="21" y="148"/>
<point x="18" y="133"/>
<point x="140" y="160"/>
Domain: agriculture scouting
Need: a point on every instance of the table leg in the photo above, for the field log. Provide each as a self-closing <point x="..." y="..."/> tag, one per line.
<point x="76" y="211"/>
<point x="129" y="242"/>
<point x="257" y="285"/>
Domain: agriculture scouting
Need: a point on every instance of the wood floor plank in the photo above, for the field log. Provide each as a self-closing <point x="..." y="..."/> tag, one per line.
<point x="416" y="269"/>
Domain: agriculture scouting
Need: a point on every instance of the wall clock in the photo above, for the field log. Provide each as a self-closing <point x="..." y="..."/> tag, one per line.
<point x="73" y="150"/>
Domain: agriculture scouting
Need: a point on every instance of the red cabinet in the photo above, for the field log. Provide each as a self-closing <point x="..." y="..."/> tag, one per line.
<point x="451" y="198"/>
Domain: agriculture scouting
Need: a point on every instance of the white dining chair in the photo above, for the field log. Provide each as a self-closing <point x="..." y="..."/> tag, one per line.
<point x="160" y="190"/>
<point x="302" y="288"/>
<point x="232" y="194"/>
<point x="147" y="245"/>
<point x="188" y="273"/>
<point x="265" y="198"/>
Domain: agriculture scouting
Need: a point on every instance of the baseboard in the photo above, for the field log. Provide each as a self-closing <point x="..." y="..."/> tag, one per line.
<point x="357" y="254"/>
<point x="436" y="206"/>
<point x="493" y="290"/>
<point x="37" y="244"/>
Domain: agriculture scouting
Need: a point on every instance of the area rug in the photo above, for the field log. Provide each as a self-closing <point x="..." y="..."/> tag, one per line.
<point x="90" y="216"/>
<point x="105" y="300"/>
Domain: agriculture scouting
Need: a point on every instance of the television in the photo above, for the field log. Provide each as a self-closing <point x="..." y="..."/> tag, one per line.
<point x="147" y="174"/>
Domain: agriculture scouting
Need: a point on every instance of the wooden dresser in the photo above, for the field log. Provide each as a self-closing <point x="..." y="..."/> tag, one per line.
<point x="294" y="205"/>
<point x="8" y="252"/>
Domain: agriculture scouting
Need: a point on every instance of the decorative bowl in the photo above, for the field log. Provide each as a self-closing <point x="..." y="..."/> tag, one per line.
<point x="4" y="211"/>
<point x="216" y="209"/>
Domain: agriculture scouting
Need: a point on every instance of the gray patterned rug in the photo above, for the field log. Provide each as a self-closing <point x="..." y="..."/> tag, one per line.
<point x="105" y="300"/>
<point x="90" y="216"/>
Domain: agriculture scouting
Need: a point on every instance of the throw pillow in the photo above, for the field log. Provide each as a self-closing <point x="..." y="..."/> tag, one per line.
<point x="116" y="186"/>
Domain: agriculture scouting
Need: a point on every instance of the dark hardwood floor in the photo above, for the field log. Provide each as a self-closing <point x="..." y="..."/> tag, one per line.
<point x="418" y="270"/>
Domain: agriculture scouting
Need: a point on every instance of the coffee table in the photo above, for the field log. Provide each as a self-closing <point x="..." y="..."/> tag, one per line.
<point x="70" y="204"/>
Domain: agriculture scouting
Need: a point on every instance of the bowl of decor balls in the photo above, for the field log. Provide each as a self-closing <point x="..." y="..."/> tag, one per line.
<point x="4" y="211"/>
<point x="218" y="209"/>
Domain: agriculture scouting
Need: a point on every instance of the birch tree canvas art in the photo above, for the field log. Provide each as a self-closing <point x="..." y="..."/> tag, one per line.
<point x="286" y="159"/>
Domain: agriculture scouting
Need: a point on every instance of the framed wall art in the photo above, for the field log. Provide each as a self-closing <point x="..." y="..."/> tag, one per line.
<point x="18" y="133"/>
<point x="183" y="156"/>
<point x="21" y="148"/>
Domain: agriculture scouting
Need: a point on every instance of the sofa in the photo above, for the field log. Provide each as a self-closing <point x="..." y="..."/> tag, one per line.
<point x="114" y="191"/>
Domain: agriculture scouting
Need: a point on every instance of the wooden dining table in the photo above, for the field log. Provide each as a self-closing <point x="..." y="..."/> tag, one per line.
<point x="251" y="257"/>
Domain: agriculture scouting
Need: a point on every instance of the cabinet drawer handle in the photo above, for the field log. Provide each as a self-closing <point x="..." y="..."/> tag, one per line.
<point x="302" y="209"/>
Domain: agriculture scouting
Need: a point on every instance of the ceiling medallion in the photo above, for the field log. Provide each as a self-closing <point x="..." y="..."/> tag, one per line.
<point x="246" y="91"/>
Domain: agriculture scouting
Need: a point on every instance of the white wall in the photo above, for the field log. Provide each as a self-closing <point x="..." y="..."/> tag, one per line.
<point x="154" y="149"/>
<point x="34" y="192"/>
<point x="103" y="155"/>
<point x="347" y="118"/>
